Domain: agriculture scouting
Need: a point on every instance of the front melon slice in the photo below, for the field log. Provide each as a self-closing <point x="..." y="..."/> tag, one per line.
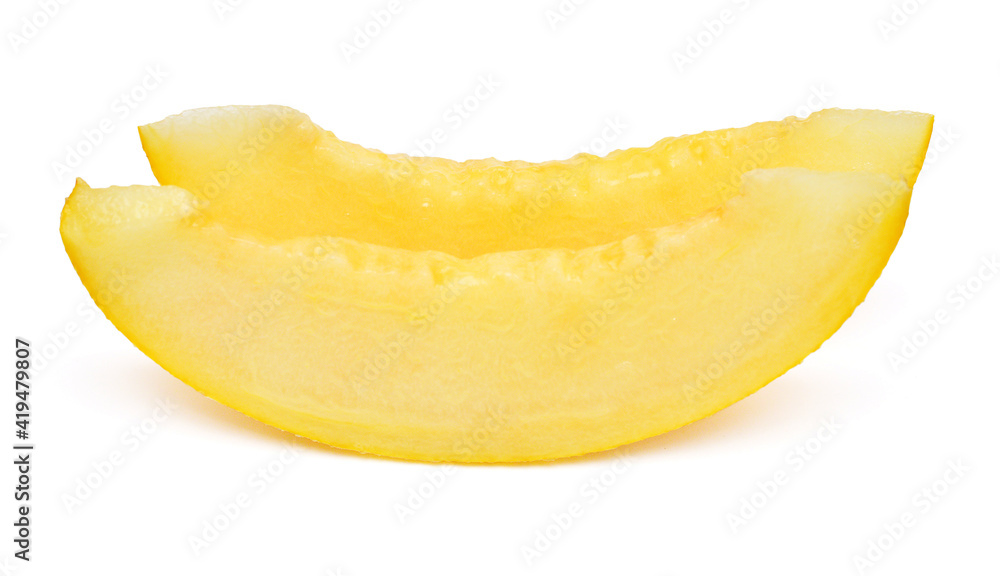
<point x="505" y="356"/>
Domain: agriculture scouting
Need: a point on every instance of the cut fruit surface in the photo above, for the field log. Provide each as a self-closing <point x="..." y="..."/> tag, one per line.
<point x="506" y="356"/>
<point x="272" y="171"/>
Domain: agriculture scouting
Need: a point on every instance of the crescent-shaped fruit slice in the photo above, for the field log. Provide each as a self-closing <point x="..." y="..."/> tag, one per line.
<point x="270" y="169"/>
<point x="507" y="356"/>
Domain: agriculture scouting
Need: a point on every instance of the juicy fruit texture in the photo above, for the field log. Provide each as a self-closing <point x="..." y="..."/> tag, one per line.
<point x="507" y="356"/>
<point x="491" y="311"/>
<point x="271" y="171"/>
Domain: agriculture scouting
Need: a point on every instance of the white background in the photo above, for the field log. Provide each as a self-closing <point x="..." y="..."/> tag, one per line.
<point x="670" y="512"/>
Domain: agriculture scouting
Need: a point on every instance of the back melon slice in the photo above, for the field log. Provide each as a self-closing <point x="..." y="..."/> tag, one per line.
<point x="272" y="170"/>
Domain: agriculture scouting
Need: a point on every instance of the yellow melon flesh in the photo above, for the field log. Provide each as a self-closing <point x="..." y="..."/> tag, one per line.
<point x="271" y="170"/>
<point x="505" y="356"/>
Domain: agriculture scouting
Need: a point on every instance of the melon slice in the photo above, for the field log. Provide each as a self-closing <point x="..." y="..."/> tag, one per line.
<point x="316" y="299"/>
<point x="272" y="170"/>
